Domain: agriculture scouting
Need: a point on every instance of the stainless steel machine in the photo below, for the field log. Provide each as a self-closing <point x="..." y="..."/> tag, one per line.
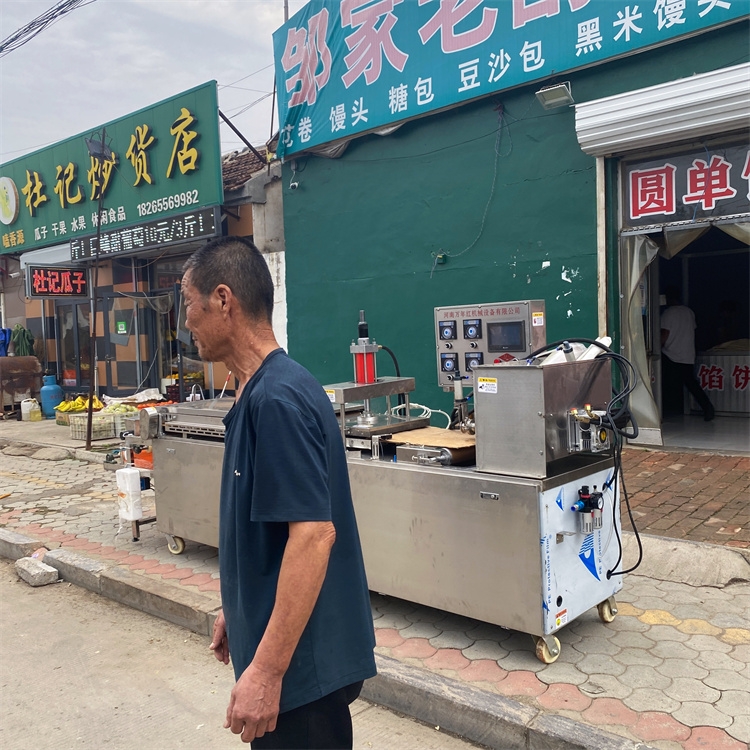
<point x="509" y="517"/>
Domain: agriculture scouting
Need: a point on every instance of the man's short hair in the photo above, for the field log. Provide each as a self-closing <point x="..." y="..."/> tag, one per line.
<point x="236" y="262"/>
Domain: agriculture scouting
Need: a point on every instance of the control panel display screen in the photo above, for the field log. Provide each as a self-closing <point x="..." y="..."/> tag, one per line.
<point x="506" y="336"/>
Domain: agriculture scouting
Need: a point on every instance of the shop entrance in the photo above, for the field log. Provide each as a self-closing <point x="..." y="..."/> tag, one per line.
<point x="710" y="268"/>
<point x="73" y="341"/>
<point x="136" y="338"/>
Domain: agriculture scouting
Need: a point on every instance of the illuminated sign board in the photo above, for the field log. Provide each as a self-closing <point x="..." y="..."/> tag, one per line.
<point x="156" y="163"/>
<point x="348" y="67"/>
<point x="154" y="234"/>
<point x="43" y="282"/>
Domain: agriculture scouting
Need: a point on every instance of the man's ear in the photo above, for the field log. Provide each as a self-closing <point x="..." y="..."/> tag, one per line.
<point x="224" y="295"/>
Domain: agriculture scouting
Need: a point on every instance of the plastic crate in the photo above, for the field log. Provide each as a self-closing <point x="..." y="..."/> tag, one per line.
<point x="103" y="426"/>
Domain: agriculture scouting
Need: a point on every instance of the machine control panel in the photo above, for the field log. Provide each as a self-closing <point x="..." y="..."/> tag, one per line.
<point x="471" y="335"/>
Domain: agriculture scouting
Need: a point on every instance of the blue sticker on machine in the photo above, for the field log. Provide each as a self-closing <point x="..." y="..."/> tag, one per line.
<point x="559" y="499"/>
<point x="586" y="555"/>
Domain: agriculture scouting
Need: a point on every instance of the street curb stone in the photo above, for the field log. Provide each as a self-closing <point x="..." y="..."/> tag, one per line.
<point x="76" y="568"/>
<point x="35" y="572"/>
<point x="491" y="720"/>
<point x="14" y="546"/>
<point x="185" y="608"/>
<point x="552" y="732"/>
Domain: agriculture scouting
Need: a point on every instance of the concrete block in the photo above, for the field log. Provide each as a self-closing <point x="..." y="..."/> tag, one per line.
<point x="35" y="572"/>
<point x="76" y="568"/>
<point x="183" y="607"/>
<point x="552" y="732"/>
<point x="14" y="546"/>
<point x="491" y="720"/>
<point x="683" y="561"/>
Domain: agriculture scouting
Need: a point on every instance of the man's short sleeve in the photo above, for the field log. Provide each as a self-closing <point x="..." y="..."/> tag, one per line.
<point x="290" y="466"/>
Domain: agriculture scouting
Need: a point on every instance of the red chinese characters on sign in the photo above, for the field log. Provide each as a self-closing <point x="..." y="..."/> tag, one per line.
<point x="58" y="282"/>
<point x="449" y="15"/>
<point x="746" y="172"/>
<point x="711" y="377"/>
<point x="709" y="182"/>
<point x="652" y="191"/>
<point x="741" y="377"/>
<point x="372" y="39"/>
<point x="306" y="49"/>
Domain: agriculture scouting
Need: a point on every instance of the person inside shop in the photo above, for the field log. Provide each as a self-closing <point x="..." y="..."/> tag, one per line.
<point x="678" y="357"/>
<point x="296" y="616"/>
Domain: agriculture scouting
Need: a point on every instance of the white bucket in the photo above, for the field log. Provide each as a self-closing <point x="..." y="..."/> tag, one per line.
<point x="129" y="494"/>
<point x="30" y="410"/>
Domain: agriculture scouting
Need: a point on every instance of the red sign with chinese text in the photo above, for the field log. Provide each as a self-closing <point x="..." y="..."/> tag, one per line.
<point x="47" y="282"/>
<point x="688" y="187"/>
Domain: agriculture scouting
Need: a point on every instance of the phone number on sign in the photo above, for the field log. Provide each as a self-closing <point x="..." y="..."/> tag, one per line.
<point x="187" y="198"/>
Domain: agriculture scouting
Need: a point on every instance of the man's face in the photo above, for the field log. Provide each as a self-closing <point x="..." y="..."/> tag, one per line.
<point x="200" y="319"/>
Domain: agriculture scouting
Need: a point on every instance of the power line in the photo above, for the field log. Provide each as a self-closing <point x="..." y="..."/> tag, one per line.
<point x="225" y="85"/>
<point x="40" y="23"/>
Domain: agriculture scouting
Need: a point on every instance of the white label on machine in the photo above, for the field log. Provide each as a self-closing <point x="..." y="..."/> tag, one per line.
<point x="537" y="319"/>
<point x="561" y="618"/>
<point x="331" y="395"/>
<point x="487" y="385"/>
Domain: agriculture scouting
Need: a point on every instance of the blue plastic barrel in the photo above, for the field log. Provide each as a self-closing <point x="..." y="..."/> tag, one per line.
<point x="52" y="395"/>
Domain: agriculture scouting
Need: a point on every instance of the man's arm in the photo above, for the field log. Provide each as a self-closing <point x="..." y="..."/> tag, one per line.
<point x="254" y="704"/>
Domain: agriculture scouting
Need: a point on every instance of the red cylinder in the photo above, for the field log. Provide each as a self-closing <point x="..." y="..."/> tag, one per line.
<point x="364" y="368"/>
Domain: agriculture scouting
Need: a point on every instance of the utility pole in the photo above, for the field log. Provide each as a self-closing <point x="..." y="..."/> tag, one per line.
<point x="97" y="150"/>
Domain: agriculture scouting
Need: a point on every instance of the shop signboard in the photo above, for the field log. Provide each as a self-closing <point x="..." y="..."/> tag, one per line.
<point x="347" y="67"/>
<point x="155" y="164"/>
<point x="174" y="230"/>
<point x="56" y="282"/>
<point x="688" y="187"/>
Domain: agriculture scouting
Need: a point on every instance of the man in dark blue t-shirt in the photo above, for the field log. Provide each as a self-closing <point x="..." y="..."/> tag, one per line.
<point x="296" y="613"/>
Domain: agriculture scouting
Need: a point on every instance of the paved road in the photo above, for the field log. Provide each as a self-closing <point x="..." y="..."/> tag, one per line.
<point x="83" y="671"/>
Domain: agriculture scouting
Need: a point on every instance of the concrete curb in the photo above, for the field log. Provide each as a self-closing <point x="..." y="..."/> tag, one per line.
<point x="495" y="721"/>
<point x="491" y="720"/>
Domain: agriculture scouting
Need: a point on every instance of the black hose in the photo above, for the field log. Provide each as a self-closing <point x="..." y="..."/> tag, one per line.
<point x="401" y="397"/>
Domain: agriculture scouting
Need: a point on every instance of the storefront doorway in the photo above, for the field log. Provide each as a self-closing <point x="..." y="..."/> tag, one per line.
<point x="74" y="344"/>
<point x="710" y="266"/>
<point x="139" y="340"/>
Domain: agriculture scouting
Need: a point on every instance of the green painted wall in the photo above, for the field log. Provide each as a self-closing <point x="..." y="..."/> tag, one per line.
<point x="362" y="230"/>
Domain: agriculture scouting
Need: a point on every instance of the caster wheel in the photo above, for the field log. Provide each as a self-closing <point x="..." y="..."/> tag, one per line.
<point x="543" y="652"/>
<point x="606" y="611"/>
<point x="176" y="545"/>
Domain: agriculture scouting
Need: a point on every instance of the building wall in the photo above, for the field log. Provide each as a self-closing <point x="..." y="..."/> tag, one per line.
<point x="363" y="231"/>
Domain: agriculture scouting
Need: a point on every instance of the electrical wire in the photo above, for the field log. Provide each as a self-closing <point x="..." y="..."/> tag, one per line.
<point x="26" y="33"/>
<point x="426" y="411"/>
<point x="617" y="416"/>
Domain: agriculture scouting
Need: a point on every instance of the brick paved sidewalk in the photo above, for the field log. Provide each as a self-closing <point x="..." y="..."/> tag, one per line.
<point x="702" y="497"/>
<point x="673" y="669"/>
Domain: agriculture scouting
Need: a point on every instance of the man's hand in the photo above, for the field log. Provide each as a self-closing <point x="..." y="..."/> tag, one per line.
<point x="254" y="704"/>
<point x="219" y="643"/>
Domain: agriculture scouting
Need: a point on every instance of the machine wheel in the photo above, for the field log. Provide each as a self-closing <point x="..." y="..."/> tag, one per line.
<point x="544" y="654"/>
<point x="606" y="611"/>
<point x="176" y="545"/>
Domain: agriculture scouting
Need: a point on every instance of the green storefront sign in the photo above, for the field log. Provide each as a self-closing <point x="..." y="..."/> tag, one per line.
<point x="159" y="162"/>
<point x="348" y="67"/>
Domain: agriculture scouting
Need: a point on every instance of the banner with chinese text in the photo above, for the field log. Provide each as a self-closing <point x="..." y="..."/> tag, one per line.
<point x="346" y="67"/>
<point x="159" y="162"/>
<point x="687" y="187"/>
